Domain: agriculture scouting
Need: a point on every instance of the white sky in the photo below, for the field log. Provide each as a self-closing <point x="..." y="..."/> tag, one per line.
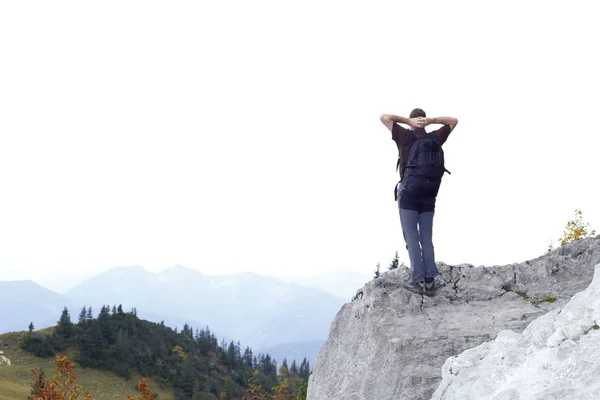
<point x="244" y="135"/>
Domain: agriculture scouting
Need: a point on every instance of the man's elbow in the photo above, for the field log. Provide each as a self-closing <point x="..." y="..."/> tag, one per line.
<point x="385" y="118"/>
<point x="453" y="123"/>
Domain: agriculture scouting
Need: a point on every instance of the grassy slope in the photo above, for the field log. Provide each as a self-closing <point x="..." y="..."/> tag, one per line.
<point x="15" y="380"/>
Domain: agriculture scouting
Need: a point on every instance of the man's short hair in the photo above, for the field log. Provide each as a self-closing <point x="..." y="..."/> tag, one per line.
<point x="417" y="112"/>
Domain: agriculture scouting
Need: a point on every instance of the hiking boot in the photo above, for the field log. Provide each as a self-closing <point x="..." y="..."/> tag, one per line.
<point x="429" y="284"/>
<point x="429" y="287"/>
<point x="416" y="288"/>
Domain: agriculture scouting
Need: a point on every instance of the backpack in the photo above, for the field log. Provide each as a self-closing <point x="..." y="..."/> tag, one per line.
<point x="424" y="167"/>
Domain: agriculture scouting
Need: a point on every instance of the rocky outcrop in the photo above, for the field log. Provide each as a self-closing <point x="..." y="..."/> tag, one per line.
<point x="389" y="343"/>
<point x="556" y="357"/>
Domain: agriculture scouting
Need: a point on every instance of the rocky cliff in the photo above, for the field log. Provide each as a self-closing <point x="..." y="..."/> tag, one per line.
<point x="389" y="343"/>
<point x="556" y="357"/>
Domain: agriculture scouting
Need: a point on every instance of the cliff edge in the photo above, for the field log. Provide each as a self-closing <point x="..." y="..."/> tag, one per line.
<point x="389" y="343"/>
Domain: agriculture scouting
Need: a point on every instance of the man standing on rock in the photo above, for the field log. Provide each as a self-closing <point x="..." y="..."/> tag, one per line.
<point x="421" y="167"/>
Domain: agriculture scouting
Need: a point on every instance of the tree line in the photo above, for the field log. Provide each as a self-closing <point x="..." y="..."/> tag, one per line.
<point x="191" y="361"/>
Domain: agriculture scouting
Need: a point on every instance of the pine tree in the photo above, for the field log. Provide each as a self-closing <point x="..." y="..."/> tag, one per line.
<point x="197" y="390"/>
<point x="31" y="328"/>
<point x="82" y="317"/>
<point x="65" y="327"/>
<point x="302" y="393"/>
<point x="304" y="369"/>
<point x="377" y="271"/>
<point x="106" y="325"/>
<point x="238" y="353"/>
<point x="294" y="370"/>
<point x="231" y="355"/>
<point x="248" y="357"/>
<point x="89" y="315"/>
<point x="92" y="346"/>
<point x="395" y="262"/>
<point x="284" y="371"/>
<point x="37" y="386"/>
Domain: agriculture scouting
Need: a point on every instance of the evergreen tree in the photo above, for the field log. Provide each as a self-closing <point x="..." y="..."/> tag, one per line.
<point x="114" y="310"/>
<point x="65" y="327"/>
<point x="238" y="353"/>
<point x="395" y="262"/>
<point x="270" y="367"/>
<point x="247" y="358"/>
<point x="377" y="271"/>
<point x="89" y="315"/>
<point x="38" y="384"/>
<point x="231" y="356"/>
<point x="104" y="321"/>
<point x="188" y="376"/>
<point x="284" y="371"/>
<point x="92" y="346"/>
<point x="31" y="328"/>
<point x="196" y="392"/>
<point x="302" y="392"/>
<point x="82" y="316"/>
<point x="304" y="372"/>
<point x="188" y="331"/>
<point x="294" y="370"/>
<point x="120" y="310"/>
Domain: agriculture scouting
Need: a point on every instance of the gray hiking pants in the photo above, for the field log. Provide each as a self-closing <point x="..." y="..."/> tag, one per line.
<point x="417" y="229"/>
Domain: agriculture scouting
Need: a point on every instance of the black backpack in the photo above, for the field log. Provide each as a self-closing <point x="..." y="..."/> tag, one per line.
<point x="424" y="167"/>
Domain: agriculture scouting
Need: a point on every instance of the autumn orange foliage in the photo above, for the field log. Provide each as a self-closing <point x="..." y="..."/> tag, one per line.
<point x="146" y="392"/>
<point x="255" y="391"/>
<point x="61" y="387"/>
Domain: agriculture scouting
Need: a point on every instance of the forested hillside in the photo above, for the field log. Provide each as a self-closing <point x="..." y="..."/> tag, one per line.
<point x="191" y="361"/>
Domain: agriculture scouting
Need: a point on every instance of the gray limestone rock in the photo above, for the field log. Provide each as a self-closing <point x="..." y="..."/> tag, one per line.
<point x="389" y="343"/>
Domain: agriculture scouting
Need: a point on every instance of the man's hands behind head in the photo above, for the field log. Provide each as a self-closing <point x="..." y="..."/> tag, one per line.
<point x="419" y="122"/>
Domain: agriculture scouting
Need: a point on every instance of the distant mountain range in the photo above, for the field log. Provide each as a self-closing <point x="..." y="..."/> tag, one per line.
<point x="264" y="313"/>
<point x="341" y="283"/>
<point x="22" y="302"/>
